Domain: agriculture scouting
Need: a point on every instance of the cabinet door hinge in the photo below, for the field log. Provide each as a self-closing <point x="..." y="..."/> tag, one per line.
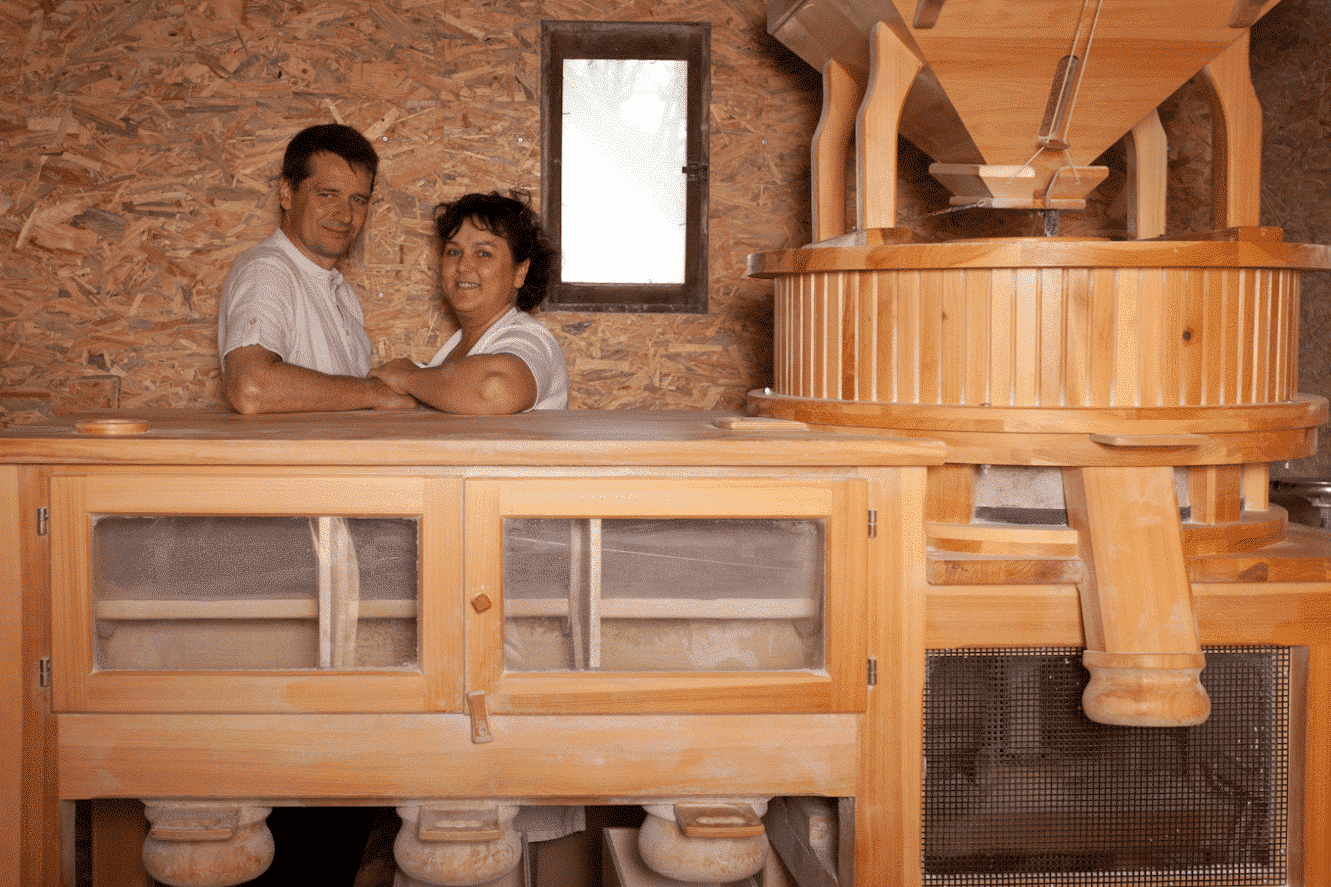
<point x="43" y="520"/>
<point x="873" y="523"/>
<point x="44" y="671"/>
<point x="873" y="672"/>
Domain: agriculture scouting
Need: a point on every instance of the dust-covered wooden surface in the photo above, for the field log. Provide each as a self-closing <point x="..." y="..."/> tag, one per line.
<point x="140" y="142"/>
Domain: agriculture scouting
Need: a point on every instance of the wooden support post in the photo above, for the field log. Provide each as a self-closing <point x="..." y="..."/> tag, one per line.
<point x="1148" y="169"/>
<point x="1141" y="632"/>
<point x="842" y="94"/>
<point x="1215" y="492"/>
<point x="892" y="70"/>
<point x="888" y="817"/>
<point x="951" y="494"/>
<point x="1236" y="122"/>
<point x="17" y="673"/>
<point x="1317" y="769"/>
<point x="1256" y="486"/>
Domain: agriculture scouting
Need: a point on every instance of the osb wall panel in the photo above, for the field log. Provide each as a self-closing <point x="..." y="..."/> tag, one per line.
<point x="140" y="143"/>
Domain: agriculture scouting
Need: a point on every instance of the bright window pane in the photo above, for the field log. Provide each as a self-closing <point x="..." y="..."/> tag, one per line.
<point x="623" y="186"/>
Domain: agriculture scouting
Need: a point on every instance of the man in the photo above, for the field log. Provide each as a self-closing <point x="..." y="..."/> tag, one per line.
<point x="290" y="331"/>
<point x="291" y="337"/>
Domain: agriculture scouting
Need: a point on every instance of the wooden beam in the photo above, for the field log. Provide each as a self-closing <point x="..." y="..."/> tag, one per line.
<point x="892" y="70"/>
<point x="1148" y="171"/>
<point x="1236" y="122"/>
<point x="842" y="94"/>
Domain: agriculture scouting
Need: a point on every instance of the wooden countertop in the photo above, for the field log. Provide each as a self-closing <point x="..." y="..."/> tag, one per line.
<point x="426" y="437"/>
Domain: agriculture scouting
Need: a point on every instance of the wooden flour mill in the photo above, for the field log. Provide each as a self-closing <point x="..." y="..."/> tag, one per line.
<point x="1157" y="376"/>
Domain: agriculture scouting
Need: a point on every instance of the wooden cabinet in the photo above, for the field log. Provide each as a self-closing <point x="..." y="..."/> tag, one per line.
<point x="413" y="608"/>
<point x="570" y="608"/>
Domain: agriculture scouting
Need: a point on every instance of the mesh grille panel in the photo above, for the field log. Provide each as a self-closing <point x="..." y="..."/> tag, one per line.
<point x="1019" y="783"/>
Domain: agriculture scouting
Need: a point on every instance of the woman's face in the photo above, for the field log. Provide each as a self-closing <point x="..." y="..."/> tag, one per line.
<point x="478" y="276"/>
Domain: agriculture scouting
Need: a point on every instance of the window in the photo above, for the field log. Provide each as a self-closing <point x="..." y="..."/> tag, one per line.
<point x="624" y="171"/>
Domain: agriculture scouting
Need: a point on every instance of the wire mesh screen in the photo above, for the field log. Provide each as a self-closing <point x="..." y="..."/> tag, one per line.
<point x="1020" y="787"/>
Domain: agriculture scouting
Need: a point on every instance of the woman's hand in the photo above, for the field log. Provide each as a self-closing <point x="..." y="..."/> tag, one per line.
<point x="396" y="374"/>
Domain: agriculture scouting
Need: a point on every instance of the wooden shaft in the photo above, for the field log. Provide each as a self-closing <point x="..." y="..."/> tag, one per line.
<point x="1141" y="632"/>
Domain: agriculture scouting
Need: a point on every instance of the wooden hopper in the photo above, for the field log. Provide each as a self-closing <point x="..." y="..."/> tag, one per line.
<point x="1117" y="362"/>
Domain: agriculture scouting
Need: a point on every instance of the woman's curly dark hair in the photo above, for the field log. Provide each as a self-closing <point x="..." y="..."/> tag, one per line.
<point x="513" y="219"/>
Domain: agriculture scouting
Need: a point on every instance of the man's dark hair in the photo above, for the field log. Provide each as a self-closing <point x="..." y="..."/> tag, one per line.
<point x="513" y="219"/>
<point x="334" y="138"/>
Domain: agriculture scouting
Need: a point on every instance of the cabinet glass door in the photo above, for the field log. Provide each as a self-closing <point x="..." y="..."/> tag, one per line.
<point x="679" y="594"/>
<point x="652" y="594"/>
<point x="176" y="592"/>
<point x="226" y="592"/>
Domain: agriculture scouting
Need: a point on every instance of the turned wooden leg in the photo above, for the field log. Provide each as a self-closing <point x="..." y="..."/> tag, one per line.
<point x="697" y="841"/>
<point x="206" y="843"/>
<point x="1136" y="602"/>
<point x="457" y="843"/>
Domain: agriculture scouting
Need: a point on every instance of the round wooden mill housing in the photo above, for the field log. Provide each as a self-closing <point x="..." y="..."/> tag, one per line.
<point x="1050" y="351"/>
<point x="1155" y="379"/>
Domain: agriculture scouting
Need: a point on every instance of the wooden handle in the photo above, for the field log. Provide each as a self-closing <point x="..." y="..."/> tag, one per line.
<point x="718" y="820"/>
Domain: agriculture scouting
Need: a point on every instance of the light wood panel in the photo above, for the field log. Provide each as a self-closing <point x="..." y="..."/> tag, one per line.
<point x="661" y="438"/>
<point x="1317" y="767"/>
<point x="14" y="675"/>
<point x="1245" y="247"/>
<point x="888" y="819"/>
<point x="552" y="757"/>
<point x="1056" y="337"/>
<point x="1241" y="612"/>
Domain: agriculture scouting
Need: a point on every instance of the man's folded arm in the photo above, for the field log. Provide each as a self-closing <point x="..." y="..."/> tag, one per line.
<point x="256" y="380"/>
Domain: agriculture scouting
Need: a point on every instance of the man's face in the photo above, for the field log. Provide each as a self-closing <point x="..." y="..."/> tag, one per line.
<point x="324" y="214"/>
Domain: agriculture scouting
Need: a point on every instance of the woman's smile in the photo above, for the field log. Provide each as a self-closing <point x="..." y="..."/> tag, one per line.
<point x="478" y="276"/>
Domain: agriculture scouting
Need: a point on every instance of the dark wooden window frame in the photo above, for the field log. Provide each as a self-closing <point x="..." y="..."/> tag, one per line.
<point x="689" y="41"/>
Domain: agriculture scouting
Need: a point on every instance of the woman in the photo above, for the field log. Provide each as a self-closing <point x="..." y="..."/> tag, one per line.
<point x="494" y="268"/>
